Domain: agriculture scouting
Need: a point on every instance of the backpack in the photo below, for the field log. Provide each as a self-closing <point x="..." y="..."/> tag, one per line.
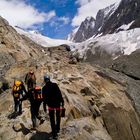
<point x="30" y="78"/>
<point x="38" y="93"/>
<point x="17" y="89"/>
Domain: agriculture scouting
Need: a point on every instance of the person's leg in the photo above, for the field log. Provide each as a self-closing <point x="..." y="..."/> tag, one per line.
<point x="38" y="103"/>
<point x="38" y="116"/>
<point x="44" y="107"/>
<point x="20" y="107"/>
<point x="33" y="115"/>
<point x="58" y="119"/>
<point x="52" y="121"/>
<point x="16" y="105"/>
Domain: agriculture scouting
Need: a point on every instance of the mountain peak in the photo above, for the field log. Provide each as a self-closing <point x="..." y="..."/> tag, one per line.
<point x="90" y="18"/>
<point x="84" y="31"/>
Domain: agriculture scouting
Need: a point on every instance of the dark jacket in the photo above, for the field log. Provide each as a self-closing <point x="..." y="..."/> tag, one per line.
<point x="52" y="95"/>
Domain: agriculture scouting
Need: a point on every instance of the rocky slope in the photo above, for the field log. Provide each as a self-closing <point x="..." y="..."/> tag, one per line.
<point x="128" y="64"/>
<point x="15" y="48"/>
<point x="99" y="102"/>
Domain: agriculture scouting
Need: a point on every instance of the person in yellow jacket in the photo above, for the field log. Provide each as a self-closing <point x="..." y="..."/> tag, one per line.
<point x="17" y="92"/>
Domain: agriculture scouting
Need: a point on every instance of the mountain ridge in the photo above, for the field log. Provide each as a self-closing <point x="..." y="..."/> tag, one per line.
<point x="109" y="19"/>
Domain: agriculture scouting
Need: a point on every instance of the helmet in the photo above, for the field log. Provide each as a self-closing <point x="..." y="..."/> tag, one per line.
<point x="46" y="78"/>
<point x="17" y="82"/>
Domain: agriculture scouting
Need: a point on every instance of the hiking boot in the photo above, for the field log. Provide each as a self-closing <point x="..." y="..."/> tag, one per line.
<point x="53" y="135"/>
<point x="57" y="130"/>
<point x="33" y="128"/>
<point x="20" y="113"/>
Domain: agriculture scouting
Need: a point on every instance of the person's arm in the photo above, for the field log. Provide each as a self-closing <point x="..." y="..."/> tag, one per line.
<point x="24" y="97"/>
<point x="60" y="94"/>
<point x="12" y="91"/>
<point x="25" y="81"/>
<point x="24" y="89"/>
<point x="44" y="107"/>
<point x="44" y="99"/>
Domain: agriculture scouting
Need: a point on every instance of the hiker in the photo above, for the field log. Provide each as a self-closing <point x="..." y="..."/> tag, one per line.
<point x="30" y="80"/>
<point x="17" y="92"/>
<point x="36" y="99"/>
<point x="53" y="98"/>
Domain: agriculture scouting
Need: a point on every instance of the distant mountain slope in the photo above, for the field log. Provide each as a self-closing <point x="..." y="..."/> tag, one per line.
<point x="42" y="40"/>
<point x="127" y="11"/>
<point x="102" y="50"/>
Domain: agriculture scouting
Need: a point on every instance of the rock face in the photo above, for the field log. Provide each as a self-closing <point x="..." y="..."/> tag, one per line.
<point x="85" y="30"/>
<point x="97" y="55"/>
<point x="128" y="64"/>
<point x="14" y="47"/>
<point x="126" y="12"/>
<point x="102" y="16"/>
<point x="125" y="129"/>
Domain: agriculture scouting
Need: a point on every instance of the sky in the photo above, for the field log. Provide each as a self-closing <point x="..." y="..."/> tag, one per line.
<point x="52" y="18"/>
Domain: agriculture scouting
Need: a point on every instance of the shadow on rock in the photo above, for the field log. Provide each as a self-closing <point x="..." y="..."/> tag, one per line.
<point x="22" y="128"/>
<point x="13" y="115"/>
<point x="41" y="136"/>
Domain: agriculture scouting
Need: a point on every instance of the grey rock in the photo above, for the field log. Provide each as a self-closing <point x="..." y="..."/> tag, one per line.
<point x="120" y="123"/>
<point x="128" y="64"/>
<point x="85" y="30"/>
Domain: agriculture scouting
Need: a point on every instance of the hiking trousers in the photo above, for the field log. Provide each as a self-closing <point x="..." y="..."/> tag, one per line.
<point x="18" y="105"/>
<point x="35" y="105"/>
<point x="55" y="120"/>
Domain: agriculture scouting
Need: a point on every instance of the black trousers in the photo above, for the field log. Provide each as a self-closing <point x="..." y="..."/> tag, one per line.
<point x="18" y="105"/>
<point x="55" y="120"/>
<point x="35" y="105"/>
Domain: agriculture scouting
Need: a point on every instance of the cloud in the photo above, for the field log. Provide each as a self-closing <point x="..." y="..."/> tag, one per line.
<point x="89" y="8"/>
<point x="82" y="2"/>
<point x="65" y="20"/>
<point x="50" y="15"/>
<point x="58" y="22"/>
<point x="18" y="13"/>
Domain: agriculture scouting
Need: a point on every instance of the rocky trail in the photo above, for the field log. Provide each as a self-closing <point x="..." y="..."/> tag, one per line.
<point x="99" y="104"/>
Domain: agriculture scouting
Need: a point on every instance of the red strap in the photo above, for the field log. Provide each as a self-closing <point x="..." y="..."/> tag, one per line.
<point x="50" y="108"/>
